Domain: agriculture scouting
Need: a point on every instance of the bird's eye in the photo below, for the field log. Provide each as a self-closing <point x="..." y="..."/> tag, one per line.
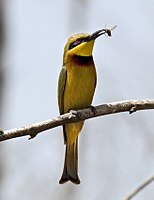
<point x="74" y="44"/>
<point x="77" y="42"/>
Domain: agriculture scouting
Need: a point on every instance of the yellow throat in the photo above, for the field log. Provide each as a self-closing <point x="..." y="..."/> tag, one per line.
<point x="84" y="49"/>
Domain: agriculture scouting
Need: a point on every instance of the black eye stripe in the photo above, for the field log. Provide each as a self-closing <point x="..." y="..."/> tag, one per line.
<point x="77" y="42"/>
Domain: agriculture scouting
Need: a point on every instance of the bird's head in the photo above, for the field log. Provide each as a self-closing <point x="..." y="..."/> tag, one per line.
<point x="82" y="44"/>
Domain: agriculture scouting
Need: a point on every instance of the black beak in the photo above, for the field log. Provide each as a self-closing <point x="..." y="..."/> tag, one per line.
<point x="99" y="33"/>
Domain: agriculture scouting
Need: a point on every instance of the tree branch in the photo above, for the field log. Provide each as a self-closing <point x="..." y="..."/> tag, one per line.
<point x="140" y="187"/>
<point x="76" y="116"/>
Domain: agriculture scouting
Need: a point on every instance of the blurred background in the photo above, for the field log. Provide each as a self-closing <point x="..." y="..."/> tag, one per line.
<point x="116" y="152"/>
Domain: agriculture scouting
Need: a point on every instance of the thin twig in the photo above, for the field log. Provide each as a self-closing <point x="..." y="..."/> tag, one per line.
<point x="140" y="187"/>
<point x="76" y="116"/>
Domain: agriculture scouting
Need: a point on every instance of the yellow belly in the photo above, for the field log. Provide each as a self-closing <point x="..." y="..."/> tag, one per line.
<point x="79" y="91"/>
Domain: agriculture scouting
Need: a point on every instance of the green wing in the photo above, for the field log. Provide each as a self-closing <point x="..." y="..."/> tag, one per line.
<point x="61" y="90"/>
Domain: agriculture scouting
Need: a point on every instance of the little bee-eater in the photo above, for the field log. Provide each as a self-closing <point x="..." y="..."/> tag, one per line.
<point x="76" y="87"/>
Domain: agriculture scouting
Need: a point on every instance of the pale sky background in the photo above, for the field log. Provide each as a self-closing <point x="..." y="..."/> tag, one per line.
<point x="116" y="152"/>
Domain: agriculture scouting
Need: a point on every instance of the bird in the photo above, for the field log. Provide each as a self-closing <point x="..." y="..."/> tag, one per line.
<point x="76" y="87"/>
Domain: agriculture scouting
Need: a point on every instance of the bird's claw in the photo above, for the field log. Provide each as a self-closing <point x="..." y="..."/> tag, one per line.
<point x="73" y="113"/>
<point x="93" y="109"/>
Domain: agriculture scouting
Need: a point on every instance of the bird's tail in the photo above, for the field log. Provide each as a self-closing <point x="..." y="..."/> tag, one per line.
<point x="70" y="171"/>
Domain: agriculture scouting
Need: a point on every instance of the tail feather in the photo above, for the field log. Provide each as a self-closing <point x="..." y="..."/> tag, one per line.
<point x="70" y="171"/>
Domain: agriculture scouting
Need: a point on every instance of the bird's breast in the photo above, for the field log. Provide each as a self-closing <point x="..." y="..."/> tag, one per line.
<point x="80" y="84"/>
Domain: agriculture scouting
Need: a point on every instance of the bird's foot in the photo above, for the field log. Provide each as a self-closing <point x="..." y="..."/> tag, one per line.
<point x="73" y="113"/>
<point x="93" y="109"/>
